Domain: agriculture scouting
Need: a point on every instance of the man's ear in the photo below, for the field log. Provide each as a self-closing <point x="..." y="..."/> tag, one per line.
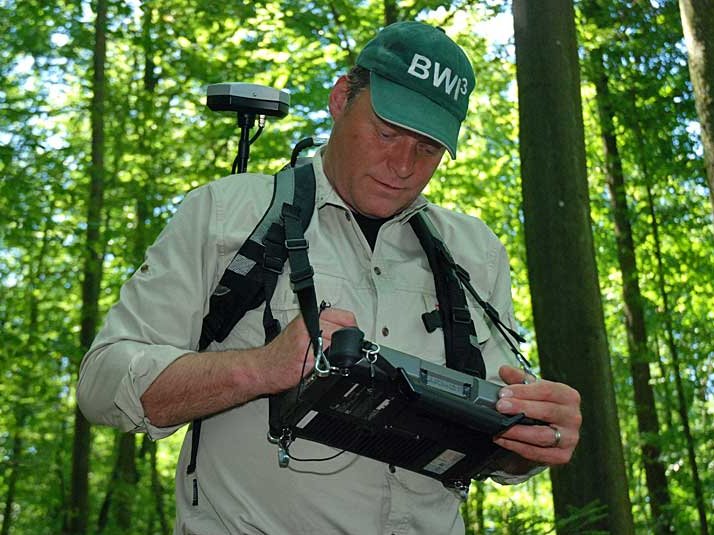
<point x="338" y="97"/>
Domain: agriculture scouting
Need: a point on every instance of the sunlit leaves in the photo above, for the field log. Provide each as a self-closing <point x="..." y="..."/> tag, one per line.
<point x="162" y="141"/>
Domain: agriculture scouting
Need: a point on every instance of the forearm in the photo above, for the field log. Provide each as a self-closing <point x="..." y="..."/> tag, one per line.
<point x="199" y="384"/>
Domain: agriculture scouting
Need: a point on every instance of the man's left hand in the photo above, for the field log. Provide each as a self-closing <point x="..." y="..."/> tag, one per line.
<point x="554" y="403"/>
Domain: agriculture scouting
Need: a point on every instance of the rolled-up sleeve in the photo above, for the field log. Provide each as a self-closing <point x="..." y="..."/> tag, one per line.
<point x="156" y="320"/>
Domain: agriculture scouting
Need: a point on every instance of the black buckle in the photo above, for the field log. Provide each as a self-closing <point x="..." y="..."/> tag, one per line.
<point x="296" y="244"/>
<point x="432" y="320"/>
<point x="273" y="263"/>
<point x="461" y="315"/>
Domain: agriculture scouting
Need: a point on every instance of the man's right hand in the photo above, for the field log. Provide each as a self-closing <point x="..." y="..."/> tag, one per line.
<point x="199" y="384"/>
<point x="285" y="355"/>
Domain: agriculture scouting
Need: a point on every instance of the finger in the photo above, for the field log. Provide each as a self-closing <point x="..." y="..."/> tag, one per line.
<point x="542" y="390"/>
<point x="328" y="331"/>
<point x="339" y="317"/>
<point x="543" y="436"/>
<point x="332" y="320"/>
<point x="511" y="375"/>
<point x="551" y="456"/>
<point x="562" y="416"/>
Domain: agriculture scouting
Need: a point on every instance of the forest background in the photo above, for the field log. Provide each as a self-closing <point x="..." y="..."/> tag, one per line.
<point x="104" y="129"/>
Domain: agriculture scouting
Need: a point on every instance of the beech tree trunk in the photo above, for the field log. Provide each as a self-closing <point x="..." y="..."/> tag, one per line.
<point x="78" y="508"/>
<point x="698" y="28"/>
<point x="646" y="411"/>
<point x="681" y="405"/>
<point x="567" y="307"/>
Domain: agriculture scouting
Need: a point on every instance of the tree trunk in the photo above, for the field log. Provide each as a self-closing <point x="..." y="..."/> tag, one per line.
<point x="698" y="28"/>
<point x="391" y="12"/>
<point x="647" y="419"/>
<point x="14" y="462"/>
<point x="36" y="269"/>
<point x="119" y="500"/>
<point x="682" y="407"/>
<point x="78" y="510"/>
<point x="157" y="489"/>
<point x="567" y="307"/>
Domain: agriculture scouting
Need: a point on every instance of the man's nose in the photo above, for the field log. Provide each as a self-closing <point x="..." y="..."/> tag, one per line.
<point x="403" y="157"/>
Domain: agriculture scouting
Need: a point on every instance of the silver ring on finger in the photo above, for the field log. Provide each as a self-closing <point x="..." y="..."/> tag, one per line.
<point x="556" y="436"/>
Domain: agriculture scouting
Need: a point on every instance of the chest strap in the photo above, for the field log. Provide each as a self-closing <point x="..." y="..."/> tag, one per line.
<point x="452" y="314"/>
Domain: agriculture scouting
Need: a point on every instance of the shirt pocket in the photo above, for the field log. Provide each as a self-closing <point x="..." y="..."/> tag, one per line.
<point x="408" y="332"/>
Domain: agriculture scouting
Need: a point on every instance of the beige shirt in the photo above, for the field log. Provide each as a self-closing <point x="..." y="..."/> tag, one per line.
<point x="241" y="487"/>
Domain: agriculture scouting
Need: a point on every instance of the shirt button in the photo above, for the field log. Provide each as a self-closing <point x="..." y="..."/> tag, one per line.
<point x="348" y="216"/>
<point x="377" y="270"/>
<point x="385" y="331"/>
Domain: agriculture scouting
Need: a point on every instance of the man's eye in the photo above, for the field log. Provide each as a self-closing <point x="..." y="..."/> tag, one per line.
<point x="386" y="134"/>
<point x="428" y="149"/>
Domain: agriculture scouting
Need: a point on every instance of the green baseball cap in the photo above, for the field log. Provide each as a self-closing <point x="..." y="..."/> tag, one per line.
<point x="420" y="80"/>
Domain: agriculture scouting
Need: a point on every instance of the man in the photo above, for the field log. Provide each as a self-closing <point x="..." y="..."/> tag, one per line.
<point x="394" y="117"/>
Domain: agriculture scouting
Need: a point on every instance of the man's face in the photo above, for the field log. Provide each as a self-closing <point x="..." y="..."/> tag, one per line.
<point x="377" y="168"/>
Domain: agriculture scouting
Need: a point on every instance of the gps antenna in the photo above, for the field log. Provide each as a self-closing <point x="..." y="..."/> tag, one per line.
<point x="248" y="101"/>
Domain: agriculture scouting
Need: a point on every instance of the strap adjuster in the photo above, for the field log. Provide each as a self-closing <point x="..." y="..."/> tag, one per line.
<point x="432" y="320"/>
<point x="296" y="244"/>
<point x="302" y="275"/>
<point x="461" y="315"/>
<point x="273" y="263"/>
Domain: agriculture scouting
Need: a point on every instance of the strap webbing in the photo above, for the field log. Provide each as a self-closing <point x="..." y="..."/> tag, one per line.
<point x="457" y="327"/>
<point x="252" y="275"/>
<point x="301" y="279"/>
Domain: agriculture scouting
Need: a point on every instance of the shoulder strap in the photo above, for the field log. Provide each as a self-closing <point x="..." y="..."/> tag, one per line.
<point x="261" y="257"/>
<point x="453" y="315"/>
<point x="251" y="277"/>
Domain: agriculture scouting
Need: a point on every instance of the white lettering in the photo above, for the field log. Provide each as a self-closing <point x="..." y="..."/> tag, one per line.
<point x="464" y="86"/>
<point x="420" y="66"/>
<point x="439" y="78"/>
<point x="452" y="83"/>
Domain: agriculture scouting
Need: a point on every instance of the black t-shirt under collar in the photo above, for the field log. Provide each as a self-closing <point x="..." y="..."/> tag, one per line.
<point x="370" y="226"/>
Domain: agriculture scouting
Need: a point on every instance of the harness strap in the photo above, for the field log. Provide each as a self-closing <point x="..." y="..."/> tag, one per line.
<point x="251" y="277"/>
<point x="273" y="261"/>
<point x="301" y="280"/>
<point x="458" y="329"/>
<point x="241" y="286"/>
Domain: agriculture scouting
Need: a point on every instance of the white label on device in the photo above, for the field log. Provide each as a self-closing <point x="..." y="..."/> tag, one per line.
<point x="306" y="419"/>
<point x="347" y="394"/>
<point x="445" y="460"/>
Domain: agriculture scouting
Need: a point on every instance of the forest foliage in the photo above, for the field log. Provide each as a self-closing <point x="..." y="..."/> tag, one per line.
<point x="161" y="141"/>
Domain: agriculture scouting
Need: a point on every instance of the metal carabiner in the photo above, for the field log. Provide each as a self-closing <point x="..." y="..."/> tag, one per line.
<point x="322" y="365"/>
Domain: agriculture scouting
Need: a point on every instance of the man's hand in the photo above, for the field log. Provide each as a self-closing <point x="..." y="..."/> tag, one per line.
<point x="283" y="363"/>
<point x="198" y="384"/>
<point x="554" y="403"/>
